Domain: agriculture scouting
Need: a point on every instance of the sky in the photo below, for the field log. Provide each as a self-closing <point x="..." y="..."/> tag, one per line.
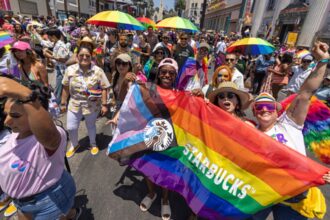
<point x="168" y="3"/>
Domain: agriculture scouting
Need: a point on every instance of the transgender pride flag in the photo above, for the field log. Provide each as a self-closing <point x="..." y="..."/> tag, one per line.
<point x="221" y="166"/>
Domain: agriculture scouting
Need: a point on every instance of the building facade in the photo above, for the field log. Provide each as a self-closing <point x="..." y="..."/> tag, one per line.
<point x="158" y="14"/>
<point x="193" y="10"/>
<point x="279" y="18"/>
<point x="223" y="16"/>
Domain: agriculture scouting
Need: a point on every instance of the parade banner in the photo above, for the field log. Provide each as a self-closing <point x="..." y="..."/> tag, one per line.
<point x="224" y="168"/>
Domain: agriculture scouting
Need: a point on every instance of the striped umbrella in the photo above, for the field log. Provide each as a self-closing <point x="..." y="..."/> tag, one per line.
<point x="303" y="53"/>
<point x="116" y="19"/>
<point x="5" y="39"/>
<point x="147" y="22"/>
<point x="177" y="23"/>
<point x="251" y="46"/>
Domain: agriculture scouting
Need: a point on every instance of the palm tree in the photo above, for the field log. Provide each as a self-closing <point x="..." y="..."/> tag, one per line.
<point x="180" y="5"/>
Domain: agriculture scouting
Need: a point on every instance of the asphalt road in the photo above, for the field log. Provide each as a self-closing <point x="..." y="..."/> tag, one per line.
<point x="107" y="191"/>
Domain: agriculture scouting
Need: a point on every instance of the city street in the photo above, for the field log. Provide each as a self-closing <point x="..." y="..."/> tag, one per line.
<point x="108" y="191"/>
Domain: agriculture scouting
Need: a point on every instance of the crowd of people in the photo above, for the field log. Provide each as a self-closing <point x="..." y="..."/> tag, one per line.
<point x="95" y="67"/>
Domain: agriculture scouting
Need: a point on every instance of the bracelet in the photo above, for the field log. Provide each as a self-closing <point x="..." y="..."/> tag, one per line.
<point x="105" y="105"/>
<point x="63" y="104"/>
<point x="324" y="61"/>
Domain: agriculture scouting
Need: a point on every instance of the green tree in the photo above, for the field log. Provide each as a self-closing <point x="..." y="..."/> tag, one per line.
<point x="180" y="6"/>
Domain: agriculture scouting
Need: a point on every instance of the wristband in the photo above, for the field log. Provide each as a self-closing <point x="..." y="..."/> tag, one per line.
<point x="105" y="105"/>
<point x="63" y="104"/>
<point x="324" y="61"/>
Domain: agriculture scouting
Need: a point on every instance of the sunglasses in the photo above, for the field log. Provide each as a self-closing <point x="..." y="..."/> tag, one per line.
<point x="159" y="52"/>
<point x="85" y="55"/>
<point x="231" y="60"/>
<point x="306" y="61"/>
<point x="265" y="106"/>
<point x="121" y="63"/>
<point x="184" y="38"/>
<point x="166" y="38"/>
<point x="228" y="95"/>
<point x="163" y="72"/>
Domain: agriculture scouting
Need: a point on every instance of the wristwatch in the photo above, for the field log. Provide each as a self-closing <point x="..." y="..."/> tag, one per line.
<point x="31" y="98"/>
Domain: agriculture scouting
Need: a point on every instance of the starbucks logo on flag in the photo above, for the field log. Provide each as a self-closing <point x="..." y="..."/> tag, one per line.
<point x="158" y="134"/>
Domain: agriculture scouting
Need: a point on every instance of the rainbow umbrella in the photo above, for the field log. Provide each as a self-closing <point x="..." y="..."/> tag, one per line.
<point x="177" y="23"/>
<point x="251" y="46"/>
<point x="116" y="19"/>
<point x="302" y="53"/>
<point x="5" y="39"/>
<point x="147" y="22"/>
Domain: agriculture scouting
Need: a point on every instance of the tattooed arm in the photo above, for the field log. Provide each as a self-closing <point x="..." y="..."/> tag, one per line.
<point x="299" y="108"/>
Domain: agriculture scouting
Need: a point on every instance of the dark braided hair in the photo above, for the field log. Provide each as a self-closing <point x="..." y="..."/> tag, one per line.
<point x="43" y="92"/>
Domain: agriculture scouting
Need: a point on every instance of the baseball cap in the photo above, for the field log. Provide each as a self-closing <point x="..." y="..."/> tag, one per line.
<point x="266" y="97"/>
<point x="170" y="62"/>
<point x="308" y="57"/>
<point x="124" y="57"/>
<point x="21" y="45"/>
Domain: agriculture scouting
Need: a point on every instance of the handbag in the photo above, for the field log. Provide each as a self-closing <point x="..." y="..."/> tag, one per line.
<point x="313" y="206"/>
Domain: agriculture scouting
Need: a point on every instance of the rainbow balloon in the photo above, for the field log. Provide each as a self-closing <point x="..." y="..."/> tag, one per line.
<point x="221" y="166"/>
<point x="5" y="39"/>
<point x="316" y="128"/>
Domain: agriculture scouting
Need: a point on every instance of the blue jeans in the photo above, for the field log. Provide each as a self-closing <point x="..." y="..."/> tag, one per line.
<point x="58" y="86"/>
<point x="280" y="212"/>
<point x="53" y="203"/>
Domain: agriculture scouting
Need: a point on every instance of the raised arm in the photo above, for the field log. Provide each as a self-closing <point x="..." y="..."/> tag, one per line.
<point x="39" y="119"/>
<point x="299" y="107"/>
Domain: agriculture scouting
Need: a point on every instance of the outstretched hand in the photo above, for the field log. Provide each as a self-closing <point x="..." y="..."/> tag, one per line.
<point x="197" y="92"/>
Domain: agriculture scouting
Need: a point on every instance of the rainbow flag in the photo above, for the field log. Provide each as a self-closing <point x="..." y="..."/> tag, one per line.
<point x="221" y="166"/>
<point x="5" y="39"/>
<point x="316" y="127"/>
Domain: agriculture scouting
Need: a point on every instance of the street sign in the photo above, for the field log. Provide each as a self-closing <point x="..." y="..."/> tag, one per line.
<point x="292" y="38"/>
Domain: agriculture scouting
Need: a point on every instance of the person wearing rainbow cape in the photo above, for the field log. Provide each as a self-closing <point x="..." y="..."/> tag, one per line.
<point x="287" y="128"/>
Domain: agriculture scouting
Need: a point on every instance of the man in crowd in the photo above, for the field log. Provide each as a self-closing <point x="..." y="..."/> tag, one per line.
<point x="237" y="78"/>
<point x="182" y="50"/>
<point x="300" y="73"/>
<point x="152" y="38"/>
<point x="262" y="64"/>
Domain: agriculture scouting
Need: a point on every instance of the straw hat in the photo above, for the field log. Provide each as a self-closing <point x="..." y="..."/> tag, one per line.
<point x="231" y="87"/>
<point x="86" y="40"/>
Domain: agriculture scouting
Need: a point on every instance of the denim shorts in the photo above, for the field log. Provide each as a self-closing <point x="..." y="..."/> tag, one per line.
<point x="52" y="203"/>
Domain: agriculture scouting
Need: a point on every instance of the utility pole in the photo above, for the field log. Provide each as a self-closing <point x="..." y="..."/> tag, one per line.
<point x="49" y="12"/>
<point x="203" y="15"/>
<point x="97" y="6"/>
<point x="65" y="7"/>
<point x="78" y="1"/>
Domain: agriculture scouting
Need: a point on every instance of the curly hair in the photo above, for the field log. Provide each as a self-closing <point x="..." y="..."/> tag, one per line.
<point x="43" y="92"/>
<point x="215" y="75"/>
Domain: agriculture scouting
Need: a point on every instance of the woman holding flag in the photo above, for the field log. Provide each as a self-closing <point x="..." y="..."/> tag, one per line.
<point x="167" y="72"/>
<point x="287" y="128"/>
